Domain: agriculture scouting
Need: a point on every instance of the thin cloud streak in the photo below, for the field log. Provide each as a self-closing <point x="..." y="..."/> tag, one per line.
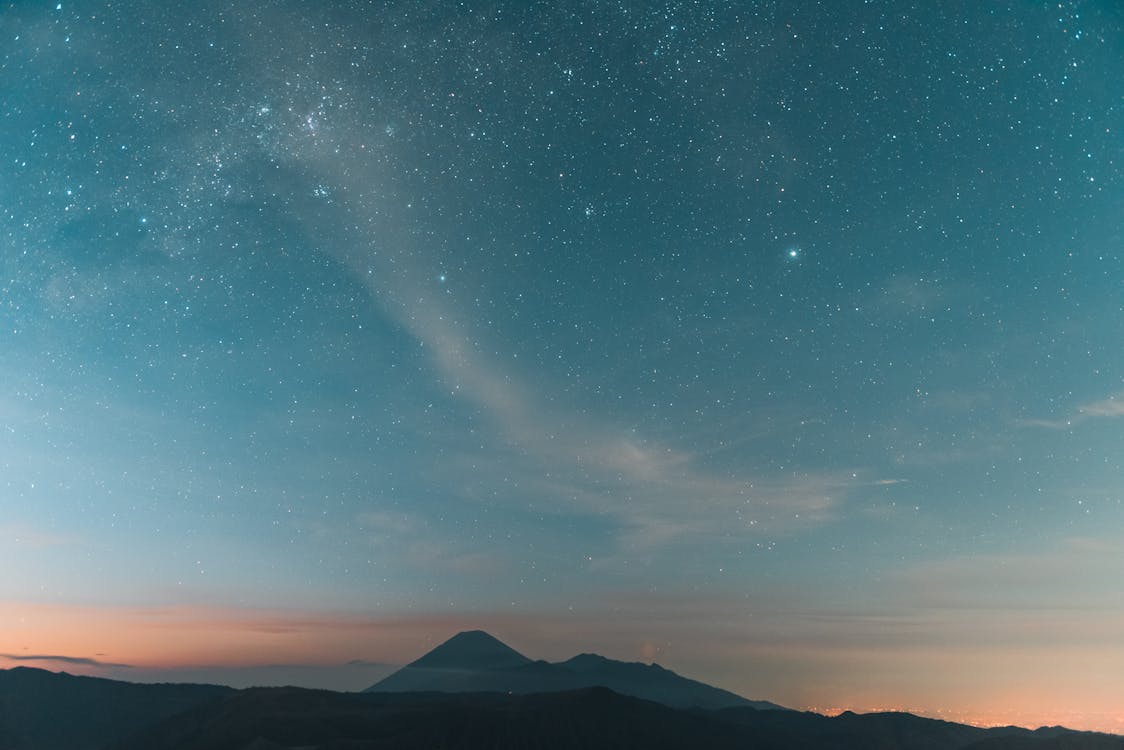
<point x="1113" y="406"/>
<point x="1106" y="408"/>
<point x="22" y="535"/>
<point x="82" y="661"/>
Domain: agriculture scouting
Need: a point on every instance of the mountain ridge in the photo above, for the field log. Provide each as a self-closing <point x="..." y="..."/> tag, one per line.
<point x="476" y="661"/>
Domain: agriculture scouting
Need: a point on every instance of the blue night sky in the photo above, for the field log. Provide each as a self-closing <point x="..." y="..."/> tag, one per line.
<point x="778" y="342"/>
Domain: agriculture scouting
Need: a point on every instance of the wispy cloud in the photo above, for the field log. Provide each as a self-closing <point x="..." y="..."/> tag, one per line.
<point x="1078" y="570"/>
<point x="411" y="540"/>
<point x="28" y="536"/>
<point x="1113" y="406"/>
<point x="81" y="661"/>
<point x="915" y="294"/>
<point x="655" y="490"/>
<point x="1106" y="408"/>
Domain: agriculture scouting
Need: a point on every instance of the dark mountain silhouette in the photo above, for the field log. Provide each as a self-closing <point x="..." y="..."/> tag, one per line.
<point x="474" y="661"/>
<point x="654" y="683"/>
<point x="472" y="649"/>
<point x="588" y="719"/>
<point x="41" y="710"/>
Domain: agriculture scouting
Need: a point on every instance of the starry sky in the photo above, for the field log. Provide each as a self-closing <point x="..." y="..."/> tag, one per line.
<point x="777" y="342"/>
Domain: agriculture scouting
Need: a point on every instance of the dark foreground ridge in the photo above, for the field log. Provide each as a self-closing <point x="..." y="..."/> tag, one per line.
<point x="42" y="710"/>
<point x="589" y="719"/>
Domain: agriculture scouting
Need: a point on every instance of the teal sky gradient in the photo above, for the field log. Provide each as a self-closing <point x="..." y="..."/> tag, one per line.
<point x="788" y="328"/>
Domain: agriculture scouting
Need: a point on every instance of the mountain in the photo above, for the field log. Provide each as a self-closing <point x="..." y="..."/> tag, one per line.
<point x="588" y="719"/>
<point x="654" y="683"/>
<point x="474" y="661"/>
<point x="472" y="649"/>
<point x="41" y="710"/>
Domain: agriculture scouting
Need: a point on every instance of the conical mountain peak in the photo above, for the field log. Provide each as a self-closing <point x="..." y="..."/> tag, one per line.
<point x="472" y="649"/>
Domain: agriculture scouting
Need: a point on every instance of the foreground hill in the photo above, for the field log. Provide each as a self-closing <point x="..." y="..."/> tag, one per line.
<point x="590" y="719"/>
<point x="55" y="711"/>
<point x="41" y="710"/>
<point x="474" y="661"/>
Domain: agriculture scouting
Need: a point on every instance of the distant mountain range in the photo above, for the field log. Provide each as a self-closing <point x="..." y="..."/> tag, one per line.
<point x="475" y="662"/>
<point x="471" y="692"/>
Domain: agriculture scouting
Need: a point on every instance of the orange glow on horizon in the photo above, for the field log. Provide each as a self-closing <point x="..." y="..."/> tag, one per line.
<point x="182" y="636"/>
<point x="125" y="642"/>
<point x="1110" y="722"/>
